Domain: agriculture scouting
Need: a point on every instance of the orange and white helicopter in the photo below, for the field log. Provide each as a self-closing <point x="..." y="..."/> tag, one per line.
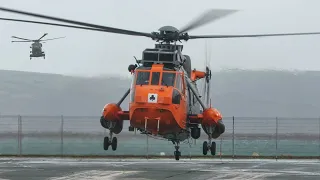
<point x="164" y="96"/>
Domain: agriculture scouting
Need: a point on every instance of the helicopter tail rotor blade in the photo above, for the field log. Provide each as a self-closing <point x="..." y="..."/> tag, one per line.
<point x="105" y="28"/>
<point x="251" y="35"/>
<point x="52" y="39"/>
<point x="204" y="82"/>
<point x="21" y="38"/>
<point x="205" y="90"/>
<point x="208" y="55"/>
<point x="207" y="79"/>
<point x="206" y="17"/>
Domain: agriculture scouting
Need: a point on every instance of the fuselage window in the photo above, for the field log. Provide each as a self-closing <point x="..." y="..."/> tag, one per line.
<point x="155" y="78"/>
<point x="143" y="77"/>
<point x="168" y="79"/>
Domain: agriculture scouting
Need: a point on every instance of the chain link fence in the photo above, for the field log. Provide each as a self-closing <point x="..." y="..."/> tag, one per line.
<point x="274" y="137"/>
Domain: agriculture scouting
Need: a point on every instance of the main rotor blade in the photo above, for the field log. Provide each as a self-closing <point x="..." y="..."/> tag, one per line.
<point x="21" y="41"/>
<point x="42" y="36"/>
<point x="21" y="38"/>
<point x="252" y="35"/>
<point x="53" y="24"/>
<point x="53" y="38"/>
<point x="107" y="29"/>
<point x="205" y="18"/>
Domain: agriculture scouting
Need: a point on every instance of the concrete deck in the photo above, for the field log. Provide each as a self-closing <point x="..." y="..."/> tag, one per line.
<point x="86" y="169"/>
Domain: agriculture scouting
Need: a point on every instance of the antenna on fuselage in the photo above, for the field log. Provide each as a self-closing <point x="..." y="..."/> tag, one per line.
<point x="136" y="60"/>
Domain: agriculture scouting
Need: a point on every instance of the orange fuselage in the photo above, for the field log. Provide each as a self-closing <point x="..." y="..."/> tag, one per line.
<point x="152" y="106"/>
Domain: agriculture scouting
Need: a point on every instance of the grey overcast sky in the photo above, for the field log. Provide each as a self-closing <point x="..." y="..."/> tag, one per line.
<point x="90" y="53"/>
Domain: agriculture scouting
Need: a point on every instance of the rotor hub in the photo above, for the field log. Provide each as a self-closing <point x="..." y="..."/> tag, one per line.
<point x="169" y="34"/>
<point x="168" y="29"/>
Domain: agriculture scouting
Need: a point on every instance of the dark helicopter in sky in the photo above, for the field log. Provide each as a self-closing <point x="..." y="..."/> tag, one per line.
<point x="36" y="46"/>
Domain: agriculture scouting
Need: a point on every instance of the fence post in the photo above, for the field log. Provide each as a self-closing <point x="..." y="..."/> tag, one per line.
<point x="233" y="137"/>
<point x="18" y="150"/>
<point x="61" y="135"/>
<point x="189" y="147"/>
<point x="147" y="146"/>
<point x="319" y="139"/>
<point x="20" y="135"/>
<point x="276" y="138"/>
<point x="220" y="148"/>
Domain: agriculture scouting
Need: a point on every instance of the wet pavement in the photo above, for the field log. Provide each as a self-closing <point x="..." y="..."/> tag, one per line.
<point x="156" y="169"/>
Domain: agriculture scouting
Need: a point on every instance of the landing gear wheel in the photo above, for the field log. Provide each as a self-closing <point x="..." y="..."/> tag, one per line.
<point x="213" y="148"/>
<point x="103" y="122"/>
<point x="177" y="155"/>
<point x="205" y="148"/>
<point x="195" y="133"/>
<point x="131" y="128"/>
<point x="106" y="143"/>
<point x="114" y="143"/>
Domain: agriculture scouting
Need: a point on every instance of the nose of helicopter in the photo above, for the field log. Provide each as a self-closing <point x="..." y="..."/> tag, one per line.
<point x="155" y="119"/>
<point x="153" y="95"/>
<point x="153" y="108"/>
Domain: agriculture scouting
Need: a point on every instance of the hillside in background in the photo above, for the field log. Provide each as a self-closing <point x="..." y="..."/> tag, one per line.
<point x="234" y="92"/>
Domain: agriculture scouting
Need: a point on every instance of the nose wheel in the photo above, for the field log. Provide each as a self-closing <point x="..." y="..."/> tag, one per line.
<point x="107" y="142"/>
<point x="177" y="153"/>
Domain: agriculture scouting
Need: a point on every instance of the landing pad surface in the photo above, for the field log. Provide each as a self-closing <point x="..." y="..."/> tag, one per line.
<point x="89" y="169"/>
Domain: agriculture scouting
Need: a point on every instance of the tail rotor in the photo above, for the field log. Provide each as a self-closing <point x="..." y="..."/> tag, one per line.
<point x="206" y="84"/>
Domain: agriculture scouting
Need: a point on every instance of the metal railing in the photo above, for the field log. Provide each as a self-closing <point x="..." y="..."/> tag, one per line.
<point x="273" y="137"/>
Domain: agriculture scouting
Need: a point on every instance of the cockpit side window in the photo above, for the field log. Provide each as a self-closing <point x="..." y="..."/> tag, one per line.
<point x="142" y="77"/>
<point x="168" y="79"/>
<point x="155" y="78"/>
